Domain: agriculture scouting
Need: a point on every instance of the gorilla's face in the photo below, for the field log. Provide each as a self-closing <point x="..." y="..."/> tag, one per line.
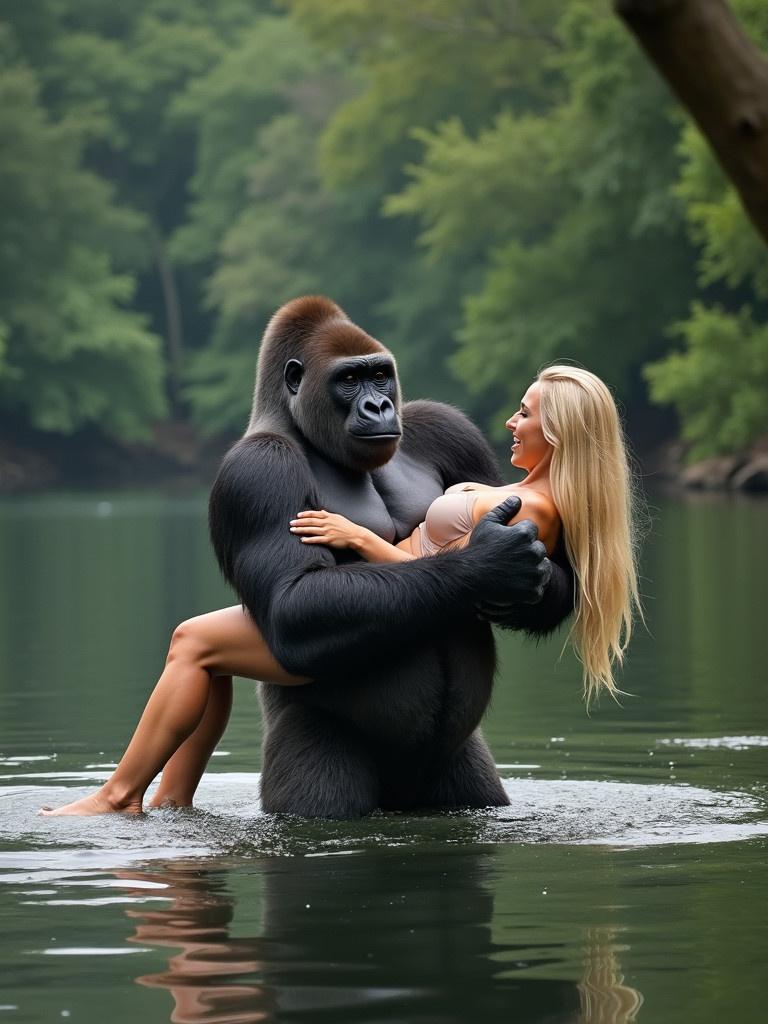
<point x="351" y="410"/>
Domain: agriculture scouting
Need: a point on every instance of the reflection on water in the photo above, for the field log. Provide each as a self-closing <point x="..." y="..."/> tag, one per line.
<point x="626" y="880"/>
<point x="307" y="955"/>
<point x="200" y="976"/>
<point x="604" y="998"/>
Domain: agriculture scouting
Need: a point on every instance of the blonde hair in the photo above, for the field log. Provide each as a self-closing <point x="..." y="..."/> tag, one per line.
<point x="592" y="488"/>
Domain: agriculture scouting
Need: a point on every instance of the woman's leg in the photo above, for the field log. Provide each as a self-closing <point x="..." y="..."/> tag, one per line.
<point x="203" y="650"/>
<point x="182" y="773"/>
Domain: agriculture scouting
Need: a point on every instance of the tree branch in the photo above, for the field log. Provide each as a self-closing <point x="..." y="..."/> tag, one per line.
<point x="174" y="337"/>
<point x="721" y="77"/>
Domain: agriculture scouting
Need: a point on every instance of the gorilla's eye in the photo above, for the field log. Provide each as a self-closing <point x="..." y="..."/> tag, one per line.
<point x="382" y="380"/>
<point x="348" y="384"/>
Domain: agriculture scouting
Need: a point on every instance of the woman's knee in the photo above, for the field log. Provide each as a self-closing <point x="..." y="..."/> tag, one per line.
<point x="189" y="642"/>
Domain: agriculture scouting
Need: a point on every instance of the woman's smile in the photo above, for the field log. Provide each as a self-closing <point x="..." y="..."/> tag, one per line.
<point x="529" y="446"/>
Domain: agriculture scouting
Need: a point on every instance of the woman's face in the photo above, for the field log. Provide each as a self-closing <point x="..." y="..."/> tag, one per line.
<point x="530" y="447"/>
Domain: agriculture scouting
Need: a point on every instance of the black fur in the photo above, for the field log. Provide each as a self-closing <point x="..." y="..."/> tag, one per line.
<point x="403" y="664"/>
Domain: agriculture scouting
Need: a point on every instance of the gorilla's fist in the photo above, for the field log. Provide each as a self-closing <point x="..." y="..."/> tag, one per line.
<point x="512" y="561"/>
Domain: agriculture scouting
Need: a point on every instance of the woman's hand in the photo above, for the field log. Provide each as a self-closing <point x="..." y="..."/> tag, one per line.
<point x="323" y="527"/>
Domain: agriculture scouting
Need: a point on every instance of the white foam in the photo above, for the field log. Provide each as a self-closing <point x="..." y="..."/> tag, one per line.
<point x="717" y="742"/>
<point x="228" y="821"/>
<point x="94" y="951"/>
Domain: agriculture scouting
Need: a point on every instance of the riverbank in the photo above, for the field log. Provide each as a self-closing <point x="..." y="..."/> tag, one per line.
<point x="31" y="461"/>
<point x="746" y="472"/>
<point x="177" y="452"/>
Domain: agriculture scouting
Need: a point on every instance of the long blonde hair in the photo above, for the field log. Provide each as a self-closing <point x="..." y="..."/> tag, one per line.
<point x="592" y="488"/>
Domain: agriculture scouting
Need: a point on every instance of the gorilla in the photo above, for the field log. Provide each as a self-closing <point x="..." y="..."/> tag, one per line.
<point x="402" y="655"/>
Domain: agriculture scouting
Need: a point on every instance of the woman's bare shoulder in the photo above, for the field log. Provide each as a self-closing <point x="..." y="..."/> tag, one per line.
<point x="532" y="500"/>
<point x="536" y="506"/>
<point x="535" y="499"/>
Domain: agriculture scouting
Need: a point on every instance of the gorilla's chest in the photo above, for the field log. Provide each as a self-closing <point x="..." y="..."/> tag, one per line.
<point x="391" y="502"/>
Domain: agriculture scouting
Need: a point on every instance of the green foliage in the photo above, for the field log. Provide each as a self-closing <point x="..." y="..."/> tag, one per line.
<point x="418" y="63"/>
<point x="469" y="191"/>
<point x="72" y="353"/>
<point x="568" y="214"/>
<point x="429" y="74"/>
<point x="229" y="106"/>
<point x="261" y="216"/>
<point x="487" y="187"/>
<point x="719" y="383"/>
<point x="730" y="249"/>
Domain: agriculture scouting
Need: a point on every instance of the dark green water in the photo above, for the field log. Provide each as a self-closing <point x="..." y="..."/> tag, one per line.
<point x="626" y="881"/>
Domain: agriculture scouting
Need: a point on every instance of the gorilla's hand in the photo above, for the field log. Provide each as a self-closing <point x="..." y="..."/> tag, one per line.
<point x="515" y="569"/>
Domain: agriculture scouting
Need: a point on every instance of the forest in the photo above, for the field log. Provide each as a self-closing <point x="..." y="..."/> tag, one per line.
<point x="485" y="186"/>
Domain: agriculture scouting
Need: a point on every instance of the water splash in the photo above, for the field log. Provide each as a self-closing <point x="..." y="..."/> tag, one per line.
<point x="228" y="822"/>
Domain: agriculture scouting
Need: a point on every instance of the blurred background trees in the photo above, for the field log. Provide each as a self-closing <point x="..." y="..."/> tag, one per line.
<point x="484" y="186"/>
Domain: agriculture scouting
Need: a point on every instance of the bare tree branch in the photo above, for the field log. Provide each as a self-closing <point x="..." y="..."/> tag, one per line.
<point x="720" y="76"/>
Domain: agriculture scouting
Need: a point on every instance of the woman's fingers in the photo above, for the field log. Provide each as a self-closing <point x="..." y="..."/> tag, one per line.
<point x="315" y="526"/>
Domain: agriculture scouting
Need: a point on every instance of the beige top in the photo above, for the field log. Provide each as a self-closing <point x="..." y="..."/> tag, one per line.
<point x="448" y="521"/>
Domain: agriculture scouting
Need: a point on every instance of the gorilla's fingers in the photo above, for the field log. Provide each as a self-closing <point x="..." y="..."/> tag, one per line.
<point x="507" y="510"/>
<point x="528" y="532"/>
<point x="546" y="569"/>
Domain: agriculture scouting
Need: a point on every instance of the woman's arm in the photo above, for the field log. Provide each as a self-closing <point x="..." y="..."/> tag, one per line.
<point x="321" y="527"/>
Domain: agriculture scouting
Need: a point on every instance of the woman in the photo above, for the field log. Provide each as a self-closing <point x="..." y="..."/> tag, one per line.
<point x="566" y="436"/>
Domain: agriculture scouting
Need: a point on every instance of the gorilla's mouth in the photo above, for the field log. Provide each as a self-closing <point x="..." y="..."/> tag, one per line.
<point x="361" y="435"/>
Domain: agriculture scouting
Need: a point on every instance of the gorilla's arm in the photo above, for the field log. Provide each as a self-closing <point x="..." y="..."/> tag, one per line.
<point x="444" y="437"/>
<point x="313" y="612"/>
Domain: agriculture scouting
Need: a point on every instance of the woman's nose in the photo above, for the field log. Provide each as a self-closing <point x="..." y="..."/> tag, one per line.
<point x="510" y="424"/>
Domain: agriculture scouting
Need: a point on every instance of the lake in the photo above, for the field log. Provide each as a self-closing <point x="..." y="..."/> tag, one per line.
<point x="625" y="882"/>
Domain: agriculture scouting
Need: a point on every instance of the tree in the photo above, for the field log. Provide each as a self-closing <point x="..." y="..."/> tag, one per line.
<point x="71" y="352"/>
<point x="261" y="222"/>
<point x="569" y="215"/>
<point x="120" y="74"/>
<point x="720" y="77"/>
<point x="718" y="379"/>
<point x="414" y="67"/>
<point x="719" y="382"/>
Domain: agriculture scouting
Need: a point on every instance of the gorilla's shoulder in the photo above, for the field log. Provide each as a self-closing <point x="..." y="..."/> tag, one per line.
<point x="260" y="460"/>
<point x="264" y="445"/>
<point x="447" y="438"/>
<point x="425" y="421"/>
<point x="425" y="411"/>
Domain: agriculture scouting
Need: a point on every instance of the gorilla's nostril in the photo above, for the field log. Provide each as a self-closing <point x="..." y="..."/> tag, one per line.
<point x="375" y="405"/>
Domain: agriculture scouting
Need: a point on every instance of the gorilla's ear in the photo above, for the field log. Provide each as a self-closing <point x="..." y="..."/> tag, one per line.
<point x="292" y="374"/>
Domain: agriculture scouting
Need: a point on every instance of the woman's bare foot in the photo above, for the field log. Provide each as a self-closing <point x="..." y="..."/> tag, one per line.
<point x="101" y="802"/>
<point x="167" y="804"/>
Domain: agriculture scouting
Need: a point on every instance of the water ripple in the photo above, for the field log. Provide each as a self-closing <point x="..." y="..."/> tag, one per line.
<point x="230" y="823"/>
